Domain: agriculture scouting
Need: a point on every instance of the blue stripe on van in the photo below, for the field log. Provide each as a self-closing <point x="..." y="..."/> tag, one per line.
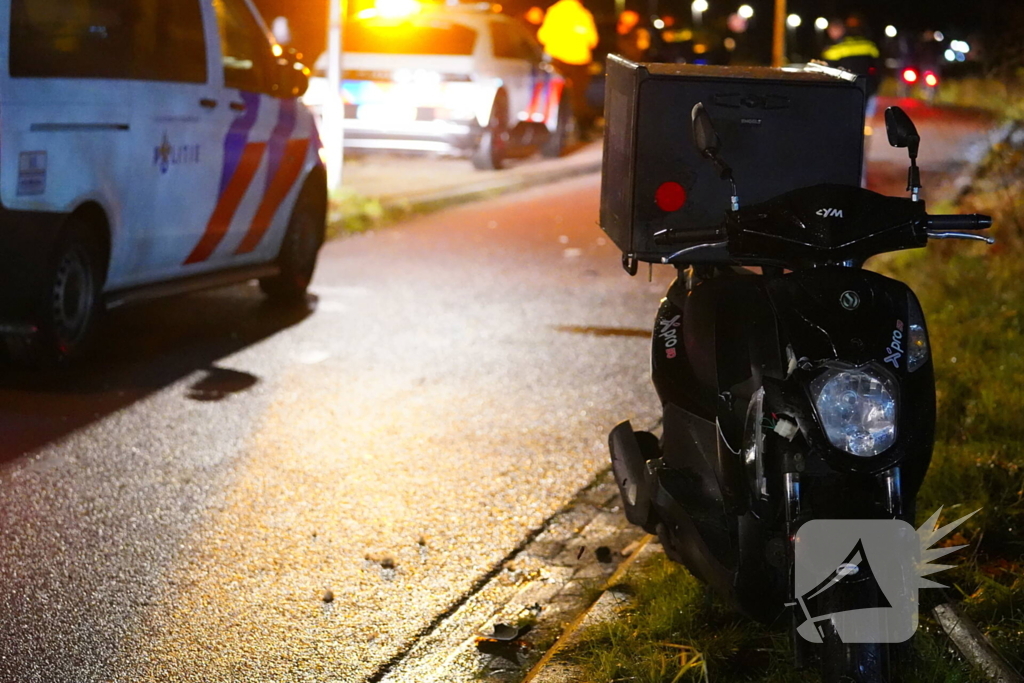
<point x="286" y="119"/>
<point x="238" y="136"/>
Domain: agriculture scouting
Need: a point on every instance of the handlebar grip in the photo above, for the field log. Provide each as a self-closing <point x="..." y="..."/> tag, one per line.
<point x="967" y="221"/>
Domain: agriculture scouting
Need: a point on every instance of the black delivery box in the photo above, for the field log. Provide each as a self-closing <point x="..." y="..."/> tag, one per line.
<point x="780" y="130"/>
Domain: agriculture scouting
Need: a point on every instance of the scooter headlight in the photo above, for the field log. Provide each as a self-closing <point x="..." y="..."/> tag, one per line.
<point x="857" y="410"/>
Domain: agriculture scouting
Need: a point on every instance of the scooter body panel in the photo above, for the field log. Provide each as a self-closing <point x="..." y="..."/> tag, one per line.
<point x="716" y="343"/>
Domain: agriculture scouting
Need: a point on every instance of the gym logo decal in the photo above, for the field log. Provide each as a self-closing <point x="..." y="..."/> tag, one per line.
<point x="242" y="159"/>
<point x="857" y="579"/>
<point x="830" y="213"/>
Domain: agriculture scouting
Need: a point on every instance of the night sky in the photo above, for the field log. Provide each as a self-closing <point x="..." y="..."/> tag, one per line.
<point x="986" y="20"/>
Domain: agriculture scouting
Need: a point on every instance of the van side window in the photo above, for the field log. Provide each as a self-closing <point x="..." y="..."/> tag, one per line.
<point x="246" y="50"/>
<point x="510" y="44"/>
<point x="152" y="40"/>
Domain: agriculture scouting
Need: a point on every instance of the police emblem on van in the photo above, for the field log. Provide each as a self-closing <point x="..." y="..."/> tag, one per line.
<point x="167" y="155"/>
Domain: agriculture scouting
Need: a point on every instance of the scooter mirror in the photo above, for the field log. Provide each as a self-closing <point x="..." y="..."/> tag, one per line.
<point x="901" y="130"/>
<point x="704" y="135"/>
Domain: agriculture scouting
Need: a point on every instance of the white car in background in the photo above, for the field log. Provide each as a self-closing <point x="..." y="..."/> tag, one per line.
<point x="450" y="79"/>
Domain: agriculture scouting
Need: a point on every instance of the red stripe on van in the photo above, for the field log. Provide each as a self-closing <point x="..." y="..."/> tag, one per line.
<point x="554" y="96"/>
<point x="284" y="179"/>
<point x="228" y="203"/>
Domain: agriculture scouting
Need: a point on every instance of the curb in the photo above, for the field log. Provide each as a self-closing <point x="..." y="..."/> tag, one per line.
<point x="605" y="607"/>
<point x="973" y="644"/>
<point x="431" y="201"/>
<point x="551" y="581"/>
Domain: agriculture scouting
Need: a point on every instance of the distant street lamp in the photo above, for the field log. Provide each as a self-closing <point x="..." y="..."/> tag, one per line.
<point x="794" y="21"/>
<point x="891" y="31"/>
<point x="821" y="23"/>
<point x="699" y="7"/>
<point x="745" y="11"/>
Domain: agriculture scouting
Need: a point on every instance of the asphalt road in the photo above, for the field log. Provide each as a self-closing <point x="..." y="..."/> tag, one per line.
<point x="177" y="509"/>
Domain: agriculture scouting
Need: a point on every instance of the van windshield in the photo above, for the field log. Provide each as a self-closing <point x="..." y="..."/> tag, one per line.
<point x="407" y="38"/>
<point x="138" y="39"/>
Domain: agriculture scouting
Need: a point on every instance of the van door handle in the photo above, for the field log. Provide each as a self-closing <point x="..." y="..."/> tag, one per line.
<point x="207" y="103"/>
<point x="237" y="106"/>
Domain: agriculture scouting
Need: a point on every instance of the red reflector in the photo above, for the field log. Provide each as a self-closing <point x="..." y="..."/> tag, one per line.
<point x="931" y="79"/>
<point x="670" y="196"/>
<point x="910" y="75"/>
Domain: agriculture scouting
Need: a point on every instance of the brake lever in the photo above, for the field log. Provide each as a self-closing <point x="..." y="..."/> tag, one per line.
<point x="951" y="235"/>
<point x="669" y="259"/>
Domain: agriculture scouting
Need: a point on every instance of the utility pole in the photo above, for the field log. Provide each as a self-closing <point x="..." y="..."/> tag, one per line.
<point x="779" y="34"/>
<point x="333" y="119"/>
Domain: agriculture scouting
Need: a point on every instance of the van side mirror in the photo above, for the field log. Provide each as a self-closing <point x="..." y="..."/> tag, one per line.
<point x="901" y="130"/>
<point x="704" y="135"/>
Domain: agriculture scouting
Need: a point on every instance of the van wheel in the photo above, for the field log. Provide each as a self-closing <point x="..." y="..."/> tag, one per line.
<point x="70" y="302"/>
<point x="302" y="241"/>
<point x="492" y="150"/>
<point x="566" y="132"/>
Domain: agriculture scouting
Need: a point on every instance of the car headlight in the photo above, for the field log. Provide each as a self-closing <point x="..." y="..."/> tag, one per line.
<point x="857" y="410"/>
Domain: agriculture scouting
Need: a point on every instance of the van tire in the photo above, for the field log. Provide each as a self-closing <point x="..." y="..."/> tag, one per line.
<point x="302" y="241"/>
<point x="70" y="300"/>
<point x="492" y="150"/>
<point x="566" y="131"/>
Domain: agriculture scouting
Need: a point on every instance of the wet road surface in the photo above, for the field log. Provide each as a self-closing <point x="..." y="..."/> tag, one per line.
<point x="178" y="509"/>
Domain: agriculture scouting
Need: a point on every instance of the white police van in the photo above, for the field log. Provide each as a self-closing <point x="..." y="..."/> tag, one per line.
<point x="147" y="147"/>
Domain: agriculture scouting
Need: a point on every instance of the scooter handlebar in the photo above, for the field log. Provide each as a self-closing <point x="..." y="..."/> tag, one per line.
<point x="967" y="221"/>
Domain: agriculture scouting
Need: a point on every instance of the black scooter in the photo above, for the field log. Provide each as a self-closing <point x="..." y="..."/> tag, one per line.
<point x="802" y="392"/>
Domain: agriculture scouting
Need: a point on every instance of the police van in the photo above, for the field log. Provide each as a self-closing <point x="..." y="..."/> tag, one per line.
<point x="147" y="147"/>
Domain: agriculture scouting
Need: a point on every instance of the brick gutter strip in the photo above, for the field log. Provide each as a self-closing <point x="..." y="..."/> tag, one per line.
<point x="571" y="629"/>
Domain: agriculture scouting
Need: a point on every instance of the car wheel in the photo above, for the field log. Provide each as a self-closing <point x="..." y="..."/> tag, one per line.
<point x="566" y="131"/>
<point x="302" y="241"/>
<point x="69" y="303"/>
<point x="492" y="150"/>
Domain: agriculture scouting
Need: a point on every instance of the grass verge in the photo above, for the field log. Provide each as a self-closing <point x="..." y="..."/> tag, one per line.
<point x="350" y="213"/>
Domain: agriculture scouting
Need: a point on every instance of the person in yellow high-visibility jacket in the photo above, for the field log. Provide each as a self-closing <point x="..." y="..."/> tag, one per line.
<point x="855" y="52"/>
<point x="568" y="35"/>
